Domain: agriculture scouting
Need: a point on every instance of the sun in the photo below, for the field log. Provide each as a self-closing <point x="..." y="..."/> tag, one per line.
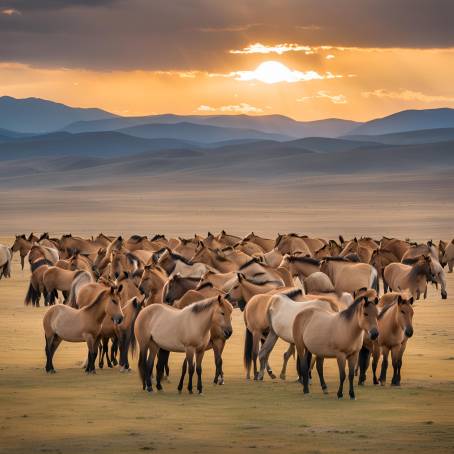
<point x="272" y="72"/>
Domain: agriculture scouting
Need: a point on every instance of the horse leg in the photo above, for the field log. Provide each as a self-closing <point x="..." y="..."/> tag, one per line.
<point x="163" y="357"/>
<point x="22" y="261"/>
<point x="363" y="362"/>
<point x="341" y="365"/>
<point x="143" y="369"/>
<point x="190" y="361"/>
<point x="375" y="358"/>
<point x="319" y="364"/>
<point x="305" y="361"/>
<point x="255" y="350"/>
<point x="217" y="350"/>
<point x="52" y="344"/>
<point x="395" y="357"/>
<point x="384" y="365"/>
<point x="352" y="361"/>
<point x="289" y="353"/>
<point x="113" y="351"/>
<point x="183" y="373"/>
<point x="101" y="354"/>
<point x="65" y="296"/>
<point x="105" y="348"/>
<point x="92" y="345"/>
<point x="198" y="364"/>
<point x="265" y="351"/>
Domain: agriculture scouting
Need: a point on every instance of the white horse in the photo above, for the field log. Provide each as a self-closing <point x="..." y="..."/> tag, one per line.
<point x="5" y="261"/>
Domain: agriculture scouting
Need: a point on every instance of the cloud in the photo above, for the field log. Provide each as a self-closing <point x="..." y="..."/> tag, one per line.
<point x="172" y="35"/>
<point x="335" y="99"/>
<point x="406" y="95"/>
<point x="330" y="57"/>
<point x="279" y="49"/>
<point x="10" y="12"/>
<point x="243" y="108"/>
<point x="272" y="72"/>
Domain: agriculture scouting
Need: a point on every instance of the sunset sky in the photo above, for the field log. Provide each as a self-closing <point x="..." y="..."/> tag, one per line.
<point x="308" y="59"/>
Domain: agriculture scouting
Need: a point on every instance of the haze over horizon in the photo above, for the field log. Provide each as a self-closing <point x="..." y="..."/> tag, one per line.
<point x="135" y="58"/>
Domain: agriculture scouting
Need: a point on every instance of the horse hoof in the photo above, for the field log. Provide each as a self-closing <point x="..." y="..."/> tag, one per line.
<point x="282" y="376"/>
<point x="221" y="382"/>
<point x="190" y="391"/>
<point x="101" y="366"/>
<point x="340" y="396"/>
<point x="360" y="383"/>
<point x="149" y="389"/>
<point x="115" y="362"/>
<point x="272" y="376"/>
<point x="325" y="391"/>
<point x="352" y="398"/>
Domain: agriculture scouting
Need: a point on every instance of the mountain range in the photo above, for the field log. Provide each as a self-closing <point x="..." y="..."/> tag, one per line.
<point x="45" y="143"/>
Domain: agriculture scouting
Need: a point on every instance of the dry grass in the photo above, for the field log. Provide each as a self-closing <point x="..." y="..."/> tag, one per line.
<point x="73" y="413"/>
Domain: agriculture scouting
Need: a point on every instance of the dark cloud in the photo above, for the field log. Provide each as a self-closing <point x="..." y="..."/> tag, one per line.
<point x="197" y="34"/>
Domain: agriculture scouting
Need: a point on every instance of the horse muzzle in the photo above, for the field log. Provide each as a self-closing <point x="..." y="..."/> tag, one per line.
<point x="117" y="319"/>
<point x="228" y="333"/>
<point x="444" y="295"/>
<point x="373" y="333"/>
<point x="409" y="331"/>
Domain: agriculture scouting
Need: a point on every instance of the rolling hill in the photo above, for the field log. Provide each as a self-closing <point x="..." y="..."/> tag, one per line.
<point x="407" y="120"/>
<point x="34" y="115"/>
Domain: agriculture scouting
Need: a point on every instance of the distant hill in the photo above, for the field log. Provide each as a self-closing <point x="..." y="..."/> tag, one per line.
<point x="34" y="115"/>
<point x="271" y="124"/>
<point x="100" y="144"/>
<point x="196" y="133"/>
<point x="409" y="137"/>
<point x="407" y="120"/>
<point x="329" y="145"/>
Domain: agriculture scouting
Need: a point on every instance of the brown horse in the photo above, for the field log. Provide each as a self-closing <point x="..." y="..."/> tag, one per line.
<point x="300" y="266"/>
<point x="265" y="243"/>
<point x="334" y="335"/>
<point x="176" y="287"/>
<point x="399" y="276"/>
<point x="152" y="283"/>
<point x="23" y="245"/>
<point x="80" y="325"/>
<point x="447" y="254"/>
<point x="164" y="328"/>
<point x="292" y="244"/>
<point x="395" y="325"/>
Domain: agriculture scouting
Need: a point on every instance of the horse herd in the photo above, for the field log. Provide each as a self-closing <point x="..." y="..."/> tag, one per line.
<point x="177" y="295"/>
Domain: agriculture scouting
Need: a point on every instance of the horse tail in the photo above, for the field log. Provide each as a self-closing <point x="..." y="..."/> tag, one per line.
<point x="80" y="279"/>
<point x="132" y="344"/>
<point x="248" y="344"/>
<point x="31" y="295"/>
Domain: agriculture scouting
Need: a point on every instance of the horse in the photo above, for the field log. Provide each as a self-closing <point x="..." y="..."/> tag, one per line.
<point x="265" y="243"/>
<point x="80" y="325"/>
<point x="152" y="283"/>
<point x="292" y="244"/>
<point x="381" y="258"/>
<point x="447" y="255"/>
<point x="318" y="282"/>
<point x="395" y="325"/>
<point x="281" y="312"/>
<point x="56" y="278"/>
<point x="201" y="292"/>
<point x="23" y="245"/>
<point x="396" y="246"/>
<point x="430" y="250"/>
<point x="257" y="325"/>
<point x="244" y="289"/>
<point x="213" y="258"/>
<point x="414" y="277"/>
<point x="334" y="335"/>
<point x="36" y="286"/>
<point x="174" y="263"/>
<point x="300" y="266"/>
<point x="217" y="336"/>
<point x="5" y="261"/>
<point x="176" y="287"/>
<point x="164" y="328"/>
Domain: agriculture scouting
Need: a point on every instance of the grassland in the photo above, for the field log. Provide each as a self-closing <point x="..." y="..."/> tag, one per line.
<point x="74" y="413"/>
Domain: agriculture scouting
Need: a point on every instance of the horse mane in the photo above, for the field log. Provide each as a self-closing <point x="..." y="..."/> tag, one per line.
<point x="264" y="282"/>
<point x="205" y="285"/>
<point x="158" y="236"/>
<point x="137" y="273"/>
<point x="352" y="257"/>
<point x="350" y="311"/>
<point x="249" y="262"/>
<point x="417" y="269"/>
<point x="44" y="236"/>
<point x="411" y="260"/>
<point x="385" y="309"/>
<point x="35" y="265"/>
<point x="98" y="299"/>
<point x="202" y="306"/>
<point x="336" y="258"/>
<point x="292" y="293"/>
<point x="137" y="238"/>
<point x="179" y="257"/>
<point x="303" y="259"/>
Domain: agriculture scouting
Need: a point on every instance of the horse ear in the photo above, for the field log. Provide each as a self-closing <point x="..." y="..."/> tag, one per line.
<point x="411" y="300"/>
<point x="240" y="277"/>
<point x="126" y="274"/>
<point x="399" y="300"/>
<point x="120" y="288"/>
<point x="112" y="290"/>
<point x="220" y="300"/>
<point x="376" y="300"/>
